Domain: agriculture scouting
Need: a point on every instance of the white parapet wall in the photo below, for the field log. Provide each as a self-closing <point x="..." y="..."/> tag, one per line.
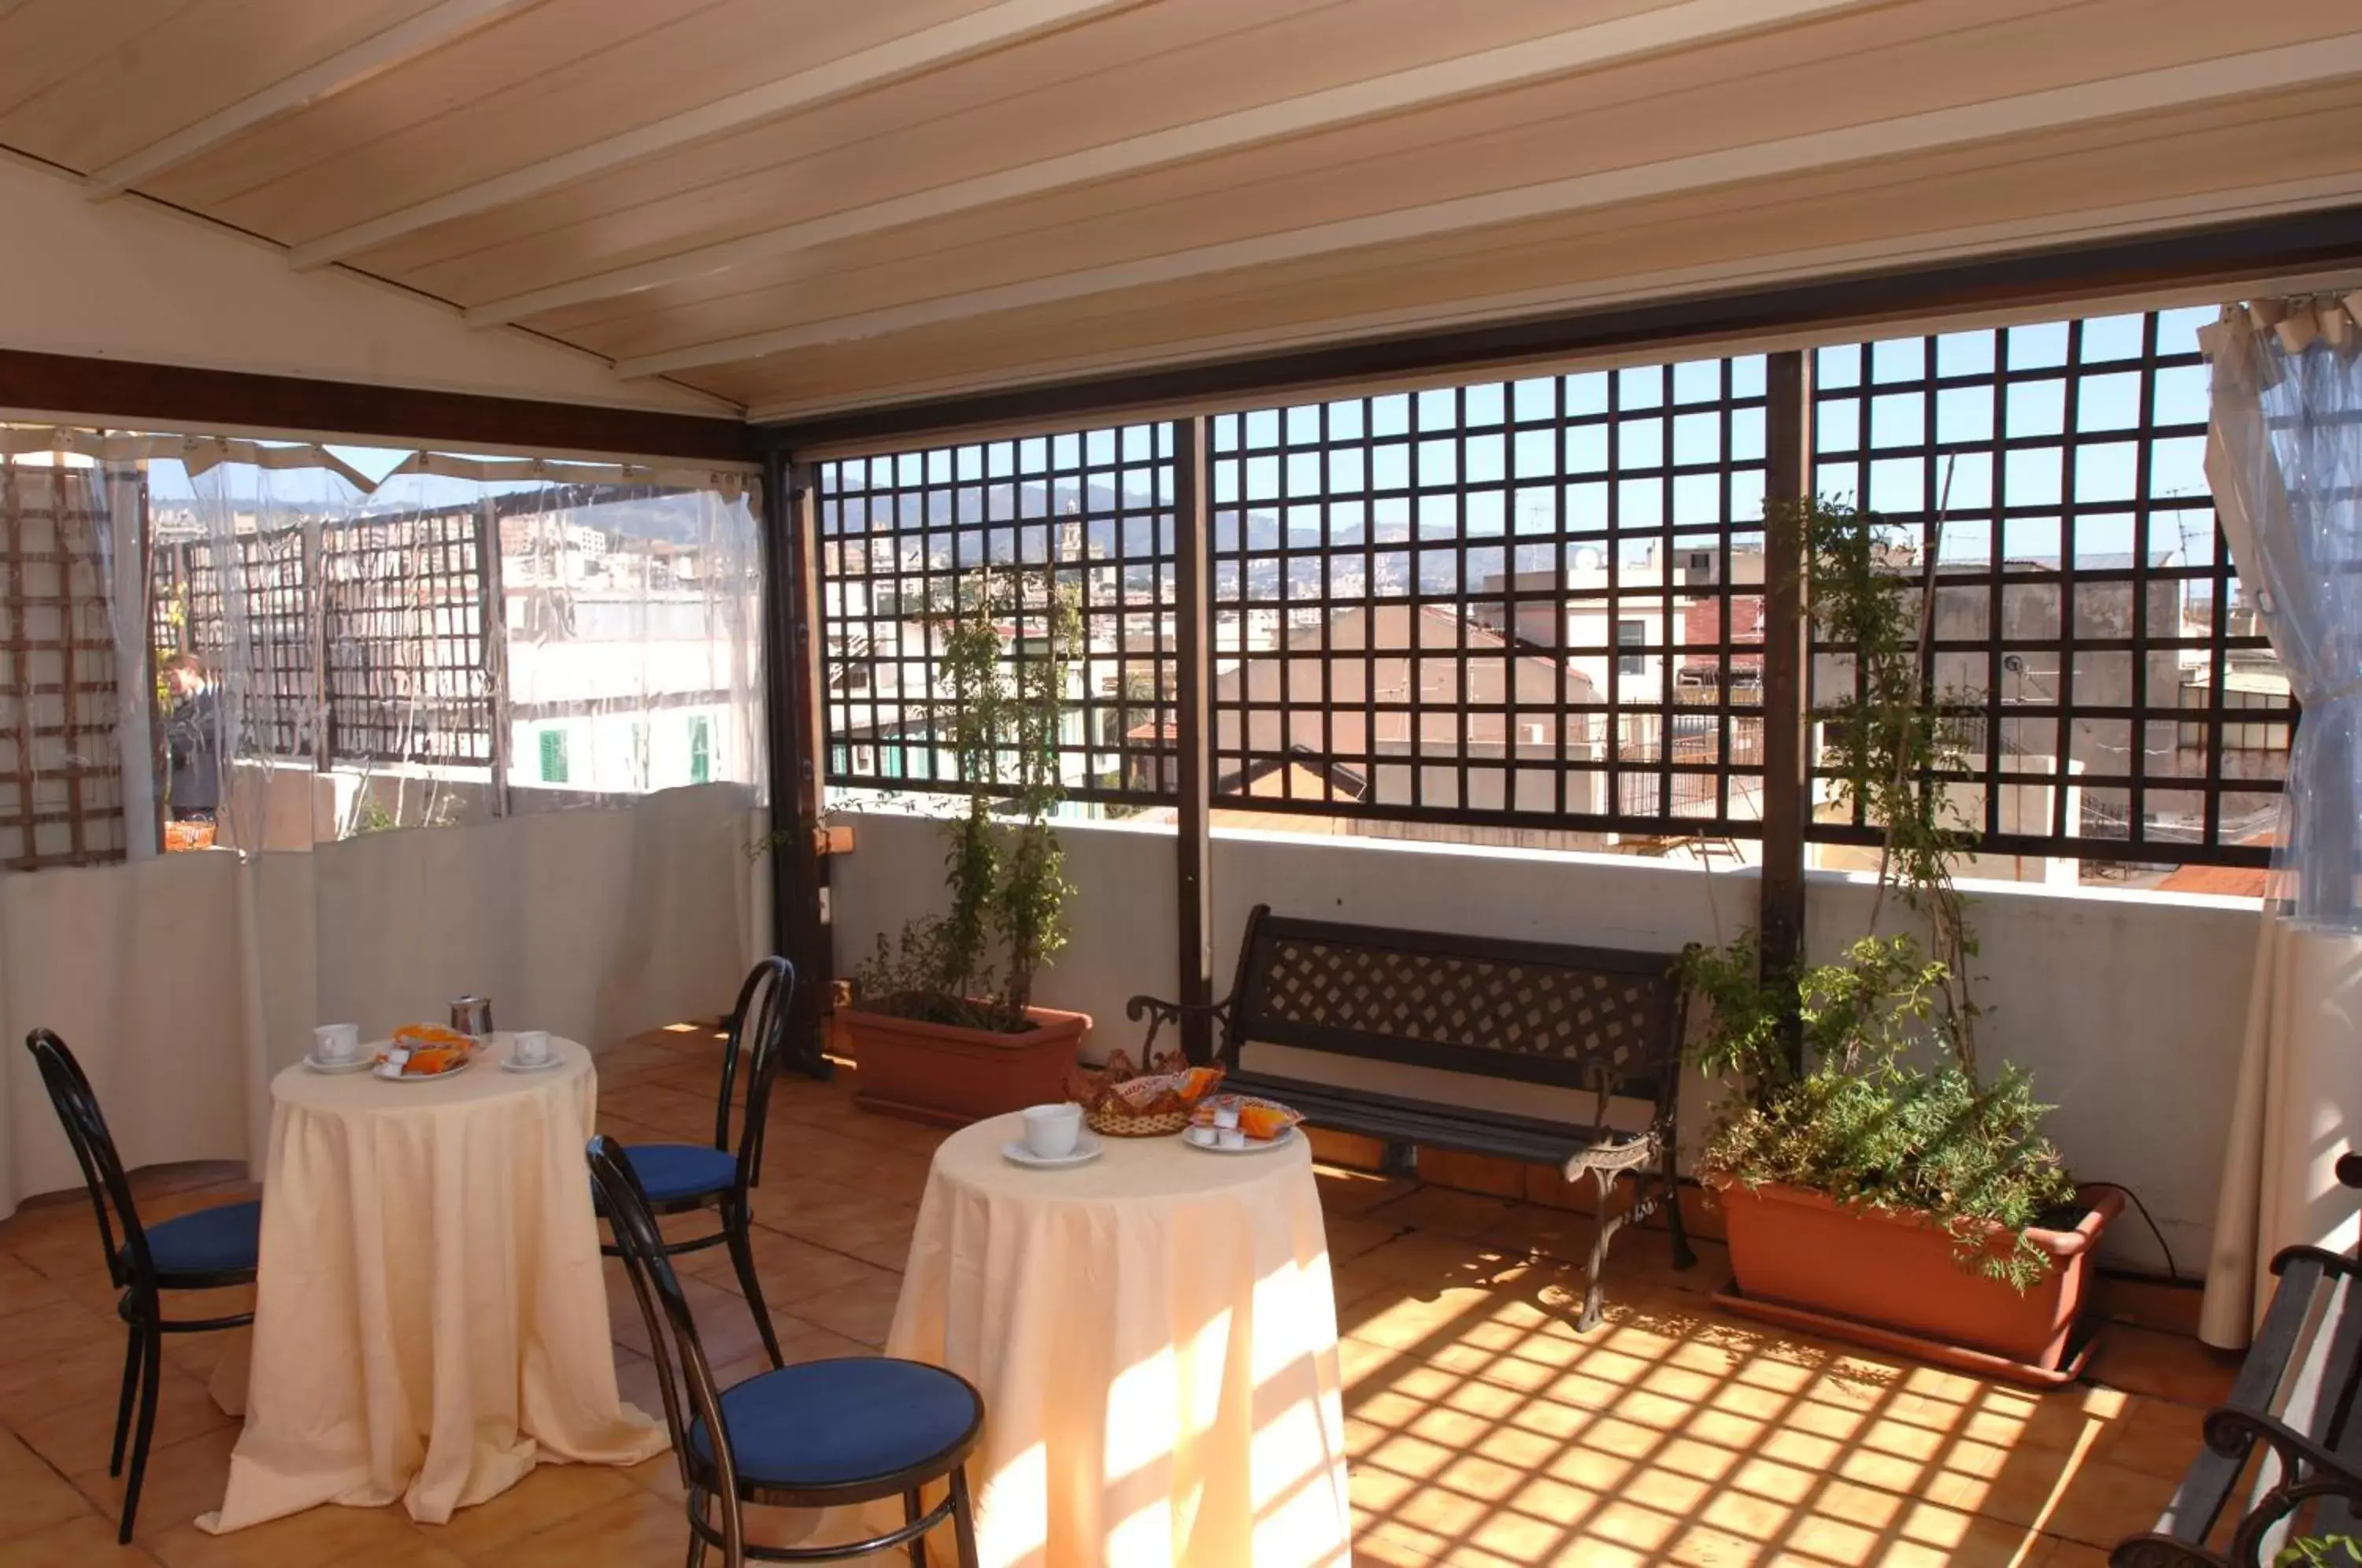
<point x="2125" y="1007"/>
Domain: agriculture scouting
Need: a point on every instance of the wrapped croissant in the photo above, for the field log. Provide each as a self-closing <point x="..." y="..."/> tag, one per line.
<point x="427" y="1049"/>
<point x="1262" y="1119"/>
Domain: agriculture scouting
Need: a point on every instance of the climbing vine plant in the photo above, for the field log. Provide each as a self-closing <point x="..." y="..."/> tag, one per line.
<point x="1891" y="742"/>
<point x="1855" y="1116"/>
<point x="1000" y="718"/>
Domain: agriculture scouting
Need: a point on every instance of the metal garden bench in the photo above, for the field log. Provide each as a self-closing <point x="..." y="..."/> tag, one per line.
<point x="1588" y="1018"/>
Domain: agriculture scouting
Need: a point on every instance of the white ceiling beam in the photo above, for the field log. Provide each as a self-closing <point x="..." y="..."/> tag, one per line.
<point x="1686" y="25"/>
<point x="2264" y="70"/>
<point x="930" y="49"/>
<point x="1820" y="263"/>
<point x="398" y="45"/>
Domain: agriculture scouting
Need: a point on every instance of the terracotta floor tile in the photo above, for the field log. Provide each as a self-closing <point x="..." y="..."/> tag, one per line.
<point x="863" y="1312"/>
<point x="85" y="1542"/>
<point x="330" y="1537"/>
<point x="641" y="1531"/>
<point x="790" y="1270"/>
<point x="2155" y="1437"/>
<point x="551" y="1496"/>
<point x="2163" y="1366"/>
<point x="43" y="1339"/>
<point x="184" y="1479"/>
<point x="1446" y="1212"/>
<point x="33" y="1496"/>
<point x="68" y="1420"/>
<point x="24" y="1287"/>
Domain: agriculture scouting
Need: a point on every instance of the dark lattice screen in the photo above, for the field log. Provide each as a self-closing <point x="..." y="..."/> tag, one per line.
<point x="60" y="785"/>
<point x="1538" y="604"/>
<point x="2117" y="699"/>
<point x="900" y="534"/>
<point x="1533" y="603"/>
<point x="408" y="679"/>
<point x="268" y="579"/>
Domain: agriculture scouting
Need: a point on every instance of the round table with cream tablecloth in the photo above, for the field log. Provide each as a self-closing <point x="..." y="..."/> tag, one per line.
<point x="430" y="1319"/>
<point x="1155" y="1337"/>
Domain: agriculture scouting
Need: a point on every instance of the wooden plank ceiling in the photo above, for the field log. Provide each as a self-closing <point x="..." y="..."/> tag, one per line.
<point x="808" y="206"/>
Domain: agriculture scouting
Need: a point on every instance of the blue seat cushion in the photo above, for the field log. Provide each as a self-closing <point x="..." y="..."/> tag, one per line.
<point x="668" y="1172"/>
<point x="209" y="1240"/>
<point x="830" y="1423"/>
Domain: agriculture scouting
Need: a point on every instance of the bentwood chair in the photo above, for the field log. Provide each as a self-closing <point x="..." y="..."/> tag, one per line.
<point x="816" y="1435"/>
<point x="206" y="1250"/>
<point x="682" y="1179"/>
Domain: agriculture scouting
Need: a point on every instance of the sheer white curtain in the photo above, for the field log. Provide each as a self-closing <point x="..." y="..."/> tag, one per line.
<point x="441" y="648"/>
<point x="476" y="725"/>
<point x="2284" y="458"/>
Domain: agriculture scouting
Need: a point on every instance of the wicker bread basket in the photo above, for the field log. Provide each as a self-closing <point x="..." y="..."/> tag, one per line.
<point x="1119" y="1123"/>
<point x="1117" y="1102"/>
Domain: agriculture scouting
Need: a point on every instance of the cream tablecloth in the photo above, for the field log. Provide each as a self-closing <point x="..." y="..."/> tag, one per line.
<point x="430" y="1321"/>
<point x="1155" y="1336"/>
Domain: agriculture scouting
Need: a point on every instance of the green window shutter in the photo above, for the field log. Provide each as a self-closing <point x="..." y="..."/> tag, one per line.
<point x="701" y="750"/>
<point x="553" y="756"/>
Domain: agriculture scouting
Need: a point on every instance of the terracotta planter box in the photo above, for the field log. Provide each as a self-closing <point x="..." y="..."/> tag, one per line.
<point x="1893" y="1280"/>
<point x="936" y="1072"/>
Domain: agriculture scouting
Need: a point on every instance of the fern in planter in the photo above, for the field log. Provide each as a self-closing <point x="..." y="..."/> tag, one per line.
<point x="973" y="964"/>
<point x="1864" y="1117"/>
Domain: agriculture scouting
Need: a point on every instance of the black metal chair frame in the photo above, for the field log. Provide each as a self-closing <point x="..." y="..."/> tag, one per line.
<point x="691" y="1396"/>
<point x="767" y="1008"/>
<point x="129" y="1266"/>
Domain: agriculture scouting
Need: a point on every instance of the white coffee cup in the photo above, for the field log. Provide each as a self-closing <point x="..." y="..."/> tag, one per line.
<point x="336" y="1041"/>
<point x="532" y="1047"/>
<point x="1052" y="1131"/>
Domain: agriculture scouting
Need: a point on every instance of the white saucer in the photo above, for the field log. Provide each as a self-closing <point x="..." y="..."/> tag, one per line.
<point x="1252" y="1146"/>
<point x="1087" y="1150"/>
<point x="511" y="1064"/>
<point x="389" y="1073"/>
<point x="355" y="1066"/>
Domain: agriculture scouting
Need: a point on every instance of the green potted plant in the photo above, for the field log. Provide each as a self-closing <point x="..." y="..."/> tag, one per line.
<point x="942" y="1024"/>
<point x="1875" y="1182"/>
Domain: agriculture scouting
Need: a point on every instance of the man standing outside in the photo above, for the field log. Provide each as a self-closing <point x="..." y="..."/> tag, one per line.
<point x="193" y="741"/>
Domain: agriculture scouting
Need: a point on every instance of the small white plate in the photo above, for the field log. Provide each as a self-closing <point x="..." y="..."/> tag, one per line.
<point x="394" y="1074"/>
<point x="509" y="1063"/>
<point x="356" y="1064"/>
<point x="1087" y="1150"/>
<point x="1252" y="1146"/>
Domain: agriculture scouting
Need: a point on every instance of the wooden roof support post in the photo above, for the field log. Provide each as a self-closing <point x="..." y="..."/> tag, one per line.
<point x="792" y="684"/>
<point x="1787" y="653"/>
<point x="1194" y="741"/>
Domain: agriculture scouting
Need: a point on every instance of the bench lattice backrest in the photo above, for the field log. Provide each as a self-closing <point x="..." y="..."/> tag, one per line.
<point x="1537" y="1011"/>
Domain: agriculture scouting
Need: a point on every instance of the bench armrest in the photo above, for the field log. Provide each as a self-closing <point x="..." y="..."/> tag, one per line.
<point x="2308" y="1469"/>
<point x="1141" y="1007"/>
<point x="1160" y="1012"/>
